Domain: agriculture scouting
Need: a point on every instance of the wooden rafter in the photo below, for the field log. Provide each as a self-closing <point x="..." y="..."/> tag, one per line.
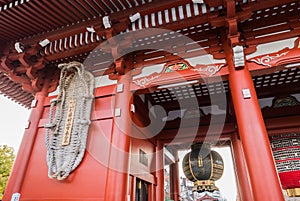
<point x="34" y="21"/>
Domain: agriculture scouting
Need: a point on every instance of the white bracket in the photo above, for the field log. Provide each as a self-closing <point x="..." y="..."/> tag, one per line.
<point x="120" y="88"/>
<point x="27" y="125"/>
<point x="238" y="56"/>
<point x="15" y="197"/>
<point x="44" y="42"/>
<point x="91" y="29"/>
<point x="106" y="22"/>
<point x="132" y="108"/>
<point x="117" y="112"/>
<point x="246" y="93"/>
<point x="33" y="103"/>
<point x="198" y="1"/>
<point x="134" y="17"/>
<point x="19" y="47"/>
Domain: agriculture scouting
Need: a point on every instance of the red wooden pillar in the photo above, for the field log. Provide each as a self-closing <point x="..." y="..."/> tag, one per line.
<point x="244" y="187"/>
<point x="133" y="188"/>
<point x="175" y="181"/>
<point x="160" y="191"/>
<point x="118" y="167"/>
<point x="262" y="171"/>
<point x="151" y="195"/>
<point x="16" y="179"/>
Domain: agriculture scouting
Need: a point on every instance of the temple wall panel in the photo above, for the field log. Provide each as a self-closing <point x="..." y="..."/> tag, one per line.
<point x="88" y="181"/>
<point x="142" y="159"/>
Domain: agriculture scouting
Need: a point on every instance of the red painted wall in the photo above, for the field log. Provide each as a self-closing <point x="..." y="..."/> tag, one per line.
<point x="88" y="181"/>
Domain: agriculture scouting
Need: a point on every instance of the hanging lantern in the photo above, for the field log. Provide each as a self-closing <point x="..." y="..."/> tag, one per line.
<point x="286" y="152"/>
<point x="203" y="167"/>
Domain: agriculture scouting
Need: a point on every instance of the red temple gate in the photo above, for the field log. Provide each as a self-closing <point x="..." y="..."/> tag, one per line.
<point x="140" y="112"/>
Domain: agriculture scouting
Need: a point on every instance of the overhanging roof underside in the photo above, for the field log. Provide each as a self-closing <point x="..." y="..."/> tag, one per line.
<point x="283" y="82"/>
<point x="14" y="91"/>
<point x="22" y="18"/>
<point x="25" y="19"/>
<point x="65" y="24"/>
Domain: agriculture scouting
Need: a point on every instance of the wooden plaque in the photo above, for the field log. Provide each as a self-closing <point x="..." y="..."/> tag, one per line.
<point x="69" y="123"/>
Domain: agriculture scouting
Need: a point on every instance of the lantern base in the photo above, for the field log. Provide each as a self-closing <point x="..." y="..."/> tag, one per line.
<point x="205" y="185"/>
<point x="293" y="192"/>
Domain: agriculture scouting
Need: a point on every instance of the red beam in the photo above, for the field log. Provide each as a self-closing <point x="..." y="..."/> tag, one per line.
<point x="201" y="132"/>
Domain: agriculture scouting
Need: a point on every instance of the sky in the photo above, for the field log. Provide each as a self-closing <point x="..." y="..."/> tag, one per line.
<point x="13" y="118"/>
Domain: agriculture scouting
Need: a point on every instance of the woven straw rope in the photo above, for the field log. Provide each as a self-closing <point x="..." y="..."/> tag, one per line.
<point x="75" y="84"/>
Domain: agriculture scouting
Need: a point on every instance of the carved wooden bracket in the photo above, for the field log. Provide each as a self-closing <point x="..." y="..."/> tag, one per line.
<point x="115" y="45"/>
<point x="285" y="56"/>
<point x="25" y="67"/>
<point x="120" y="66"/>
<point x="145" y="81"/>
<point x="270" y="59"/>
<point x="179" y="68"/>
